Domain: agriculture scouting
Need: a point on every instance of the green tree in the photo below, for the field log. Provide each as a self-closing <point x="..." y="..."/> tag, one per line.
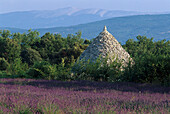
<point x="3" y="64"/>
<point x="30" y="38"/>
<point x="30" y="56"/>
<point x="10" y="49"/>
<point x="42" y="69"/>
<point x="17" y="67"/>
<point x="152" y="61"/>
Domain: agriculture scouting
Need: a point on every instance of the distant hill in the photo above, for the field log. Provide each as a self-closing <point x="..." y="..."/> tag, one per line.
<point x="60" y="17"/>
<point x="123" y="28"/>
<point x="14" y="30"/>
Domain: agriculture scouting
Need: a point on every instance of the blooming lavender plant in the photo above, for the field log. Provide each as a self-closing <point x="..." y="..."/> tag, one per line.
<point x="42" y="96"/>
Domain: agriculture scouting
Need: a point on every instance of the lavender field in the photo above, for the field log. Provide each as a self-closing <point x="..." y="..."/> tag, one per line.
<point x="50" y="97"/>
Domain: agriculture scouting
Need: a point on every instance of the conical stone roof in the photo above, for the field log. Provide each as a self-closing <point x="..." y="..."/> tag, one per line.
<point x="105" y="44"/>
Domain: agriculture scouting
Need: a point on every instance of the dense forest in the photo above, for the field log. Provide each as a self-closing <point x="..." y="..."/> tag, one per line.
<point x="54" y="57"/>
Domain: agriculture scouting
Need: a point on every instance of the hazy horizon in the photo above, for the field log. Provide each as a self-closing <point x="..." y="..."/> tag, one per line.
<point x="126" y="5"/>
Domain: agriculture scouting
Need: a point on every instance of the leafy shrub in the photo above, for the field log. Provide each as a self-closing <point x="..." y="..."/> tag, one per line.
<point x="42" y="70"/>
<point x="149" y="69"/>
<point x="63" y="72"/>
<point x="45" y="70"/>
<point x="30" y="56"/>
<point x="152" y="61"/>
<point x="17" y="67"/>
<point x="98" y="70"/>
<point x="3" y="64"/>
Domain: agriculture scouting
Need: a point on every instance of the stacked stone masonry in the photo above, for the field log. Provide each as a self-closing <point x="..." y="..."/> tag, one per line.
<point x="106" y="45"/>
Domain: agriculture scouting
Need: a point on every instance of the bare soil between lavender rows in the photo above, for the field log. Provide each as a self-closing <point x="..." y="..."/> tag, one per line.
<point x="82" y="85"/>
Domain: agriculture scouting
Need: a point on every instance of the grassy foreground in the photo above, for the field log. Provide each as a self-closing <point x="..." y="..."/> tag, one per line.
<point x="50" y="97"/>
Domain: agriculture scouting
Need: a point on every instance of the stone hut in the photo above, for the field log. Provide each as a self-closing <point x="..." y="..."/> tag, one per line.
<point x="105" y="44"/>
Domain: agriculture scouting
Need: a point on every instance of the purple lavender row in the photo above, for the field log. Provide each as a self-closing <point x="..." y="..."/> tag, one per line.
<point x="42" y="96"/>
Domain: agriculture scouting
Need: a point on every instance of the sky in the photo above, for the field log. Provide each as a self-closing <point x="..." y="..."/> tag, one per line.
<point x="127" y="5"/>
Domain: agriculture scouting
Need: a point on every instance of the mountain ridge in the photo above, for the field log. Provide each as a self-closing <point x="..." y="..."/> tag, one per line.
<point x="60" y="17"/>
<point x="122" y="28"/>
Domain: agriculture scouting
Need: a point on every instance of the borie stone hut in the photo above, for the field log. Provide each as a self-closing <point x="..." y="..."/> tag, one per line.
<point x="105" y="45"/>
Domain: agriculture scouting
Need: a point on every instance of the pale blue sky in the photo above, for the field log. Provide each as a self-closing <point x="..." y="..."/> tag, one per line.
<point x="129" y="5"/>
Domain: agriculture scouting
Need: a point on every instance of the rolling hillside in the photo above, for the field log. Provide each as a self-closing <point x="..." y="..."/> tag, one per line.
<point x="123" y="28"/>
<point x="59" y="17"/>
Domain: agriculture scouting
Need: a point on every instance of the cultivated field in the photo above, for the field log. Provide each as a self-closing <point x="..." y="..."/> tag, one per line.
<point x="51" y="97"/>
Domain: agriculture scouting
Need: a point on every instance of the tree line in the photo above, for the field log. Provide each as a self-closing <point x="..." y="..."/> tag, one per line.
<point x="52" y="56"/>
